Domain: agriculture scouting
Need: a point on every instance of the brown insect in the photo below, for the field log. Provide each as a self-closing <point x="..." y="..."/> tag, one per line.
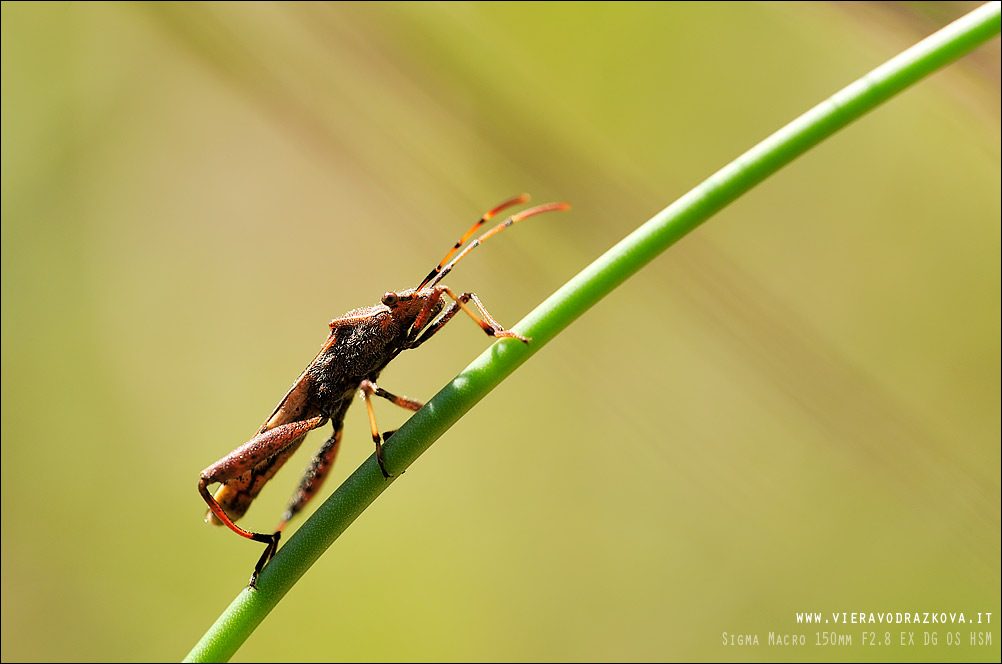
<point x="361" y="343"/>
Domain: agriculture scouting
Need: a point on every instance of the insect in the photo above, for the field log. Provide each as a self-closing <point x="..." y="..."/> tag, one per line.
<point x="360" y="345"/>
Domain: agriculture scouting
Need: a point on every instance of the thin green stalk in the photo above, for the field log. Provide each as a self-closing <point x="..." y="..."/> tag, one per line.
<point x="572" y="300"/>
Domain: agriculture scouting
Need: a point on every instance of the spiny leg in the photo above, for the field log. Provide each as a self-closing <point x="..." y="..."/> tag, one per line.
<point x="243" y="459"/>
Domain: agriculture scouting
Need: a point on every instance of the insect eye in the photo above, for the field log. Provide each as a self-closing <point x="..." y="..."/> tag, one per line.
<point x="390" y="298"/>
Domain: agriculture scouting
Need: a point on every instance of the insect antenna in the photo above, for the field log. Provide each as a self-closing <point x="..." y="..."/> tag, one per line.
<point x="517" y="200"/>
<point x="439" y="272"/>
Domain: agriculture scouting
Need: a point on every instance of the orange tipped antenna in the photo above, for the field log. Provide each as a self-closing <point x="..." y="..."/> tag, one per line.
<point x="439" y="272"/>
<point x="517" y="200"/>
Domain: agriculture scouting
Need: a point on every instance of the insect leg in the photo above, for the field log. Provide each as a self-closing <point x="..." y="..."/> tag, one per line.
<point x="426" y="313"/>
<point x="243" y="459"/>
<point x="314" y="476"/>
<point x="369" y="389"/>
<point x="487" y="323"/>
<point x="436" y="326"/>
<point x="403" y="402"/>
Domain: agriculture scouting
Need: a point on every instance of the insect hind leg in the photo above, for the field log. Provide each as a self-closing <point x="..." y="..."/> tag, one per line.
<point x="314" y="476"/>
<point x="243" y="460"/>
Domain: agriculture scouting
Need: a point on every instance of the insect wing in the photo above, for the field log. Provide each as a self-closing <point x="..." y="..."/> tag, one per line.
<point x="236" y="495"/>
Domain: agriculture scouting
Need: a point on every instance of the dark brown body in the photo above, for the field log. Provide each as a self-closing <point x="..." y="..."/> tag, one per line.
<point x="361" y="343"/>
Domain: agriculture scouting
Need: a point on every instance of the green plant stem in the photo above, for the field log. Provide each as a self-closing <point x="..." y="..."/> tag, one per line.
<point x="563" y="307"/>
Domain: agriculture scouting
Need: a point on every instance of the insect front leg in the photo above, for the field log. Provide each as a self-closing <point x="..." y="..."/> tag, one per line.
<point x="243" y="460"/>
<point x="434" y="327"/>
<point x="369" y="389"/>
<point x="484" y="320"/>
<point x="487" y="323"/>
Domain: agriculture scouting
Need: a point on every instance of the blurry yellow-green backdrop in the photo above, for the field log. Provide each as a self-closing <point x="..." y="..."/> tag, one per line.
<point x="796" y="409"/>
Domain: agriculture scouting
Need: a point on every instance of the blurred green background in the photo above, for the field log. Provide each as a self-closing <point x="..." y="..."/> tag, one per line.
<point x="796" y="409"/>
